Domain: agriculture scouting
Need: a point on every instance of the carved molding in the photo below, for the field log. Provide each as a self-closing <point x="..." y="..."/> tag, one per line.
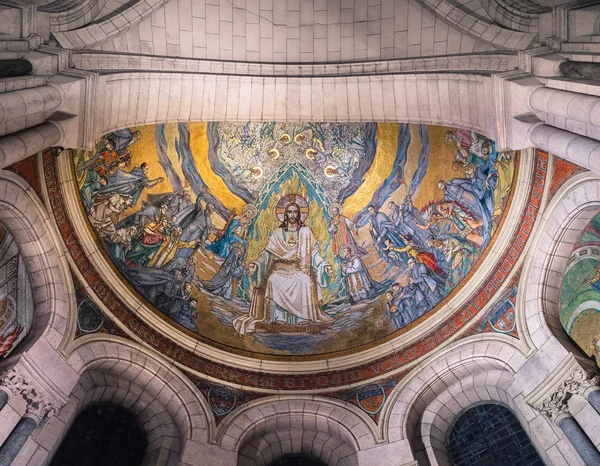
<point x="580" y="381"/>
<point x="37" y="405"/>
<point x="557" y="402"/>
<point x="14" y="382"/>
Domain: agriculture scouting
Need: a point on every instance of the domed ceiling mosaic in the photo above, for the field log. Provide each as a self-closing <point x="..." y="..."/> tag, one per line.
<point x="307" y="239"/>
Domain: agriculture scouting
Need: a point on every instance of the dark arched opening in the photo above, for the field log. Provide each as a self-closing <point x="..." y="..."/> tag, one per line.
<point x="297" y="459"/>
<point x="490" y="435"/>
<point x="102" y="435"/>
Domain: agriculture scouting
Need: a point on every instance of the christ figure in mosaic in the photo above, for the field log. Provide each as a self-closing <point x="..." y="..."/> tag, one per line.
<point x="288" y="275"/>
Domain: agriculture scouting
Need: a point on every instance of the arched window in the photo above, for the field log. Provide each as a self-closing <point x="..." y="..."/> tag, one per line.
<point x="297" y="459"/>
<point x="102" y="435"/>
<point x="16" y="299"/>
<point x="490" y="435"/>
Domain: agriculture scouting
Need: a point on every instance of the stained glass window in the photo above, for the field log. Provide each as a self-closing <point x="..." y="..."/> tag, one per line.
<point x="490" y="435"/>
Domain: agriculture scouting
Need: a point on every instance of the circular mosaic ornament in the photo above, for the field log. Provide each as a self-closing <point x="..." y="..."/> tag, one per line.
<point x="89" y="317"/>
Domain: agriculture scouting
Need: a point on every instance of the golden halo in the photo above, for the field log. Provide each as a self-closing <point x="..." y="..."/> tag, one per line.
<point x="250" y="210"/>
<point x="285" y="138"/>
<point x="258" y="174"/>
<point x="273" y="153"/>
<point x="289" y="199"/>
<point x="310" y="153"/>
<point x="299" y="138"/>
<point x="332" y="206"/>
<point x="330" y="171"/>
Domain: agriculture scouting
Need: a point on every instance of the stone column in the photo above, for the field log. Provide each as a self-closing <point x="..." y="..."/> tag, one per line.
<point x="15" y="441"/>
<point x="11" y="383"/>
<point x="18" y="104"/>
<point x="582" y="383"/>
<point x="578" y="439"/>
<point x="578" y="149"/>
<point x="3" y="398"/>
<point x="38" y="410"/>
<point x="566" y="104"/>
<point x="594" y="399"/>
<point x="20" y="145"/>
<point x="556" y="408"/>
<point x="15" y="67"/>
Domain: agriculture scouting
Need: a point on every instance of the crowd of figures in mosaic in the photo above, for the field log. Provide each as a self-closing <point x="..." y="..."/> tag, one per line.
<point x="580" y="293"/>
<point x="16" y="304"/>
<point x="307" y="237"/>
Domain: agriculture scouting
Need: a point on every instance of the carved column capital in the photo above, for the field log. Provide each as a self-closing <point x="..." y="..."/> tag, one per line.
<point x="14" y="382"/>
<point x="37" y="406"/>
<point x="555" y="405"/>
<point x="579" y="381"/>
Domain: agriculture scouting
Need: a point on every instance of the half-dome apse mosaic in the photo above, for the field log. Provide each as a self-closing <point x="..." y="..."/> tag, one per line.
<point x="295" y="239"/>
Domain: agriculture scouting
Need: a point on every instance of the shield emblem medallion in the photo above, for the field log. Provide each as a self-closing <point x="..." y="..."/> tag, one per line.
<point x="221" y="400"/>
<point x="371" y="398"/>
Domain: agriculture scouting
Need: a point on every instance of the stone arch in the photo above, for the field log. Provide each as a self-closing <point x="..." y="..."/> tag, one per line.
<point x="24" y="215"/>
<point x="470" y="371"/>
<point x="115" y="23"/>
<point x="567" y="214"/>
<point x="488" y="386"/>
<point x="132" y="99"/>
<point x="162" y="432"/>
<point x="264" y="430"/>
<point x="103" y="432"/>
<point x="465" y="358"/>
<point x="480" y="27"/>
<point x="172" y="412"/>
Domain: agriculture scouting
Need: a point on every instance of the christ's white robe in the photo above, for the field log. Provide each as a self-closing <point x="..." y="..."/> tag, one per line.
<point x="290" y="273"/>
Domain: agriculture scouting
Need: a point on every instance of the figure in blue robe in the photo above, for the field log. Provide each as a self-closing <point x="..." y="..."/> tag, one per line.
<point x="236" y="232"/>
<point x="129" y="184"/>
<point x="122" y="139"/>
<point x="187" y="314"/>
<point x="382" y="228"/>
<point x="92" y="184"/>
<point x="483" y="185"/>
<point x="421" y="278"/>
<point x="222" y="283"/>
<point x="460" y="191"/>
<point x="196" y="223"/>
<point x="182" y="268"/>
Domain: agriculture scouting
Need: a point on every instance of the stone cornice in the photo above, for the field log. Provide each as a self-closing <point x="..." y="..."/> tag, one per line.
<point x="483" y="63"/>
